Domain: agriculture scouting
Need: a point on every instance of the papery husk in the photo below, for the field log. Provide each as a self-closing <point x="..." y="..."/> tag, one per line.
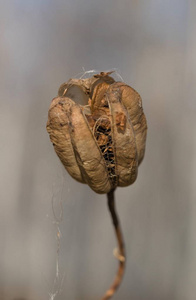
<point x="103" y="142"/>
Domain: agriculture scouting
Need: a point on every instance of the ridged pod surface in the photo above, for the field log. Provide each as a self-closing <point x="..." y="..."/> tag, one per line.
<point x="102" y="142"/>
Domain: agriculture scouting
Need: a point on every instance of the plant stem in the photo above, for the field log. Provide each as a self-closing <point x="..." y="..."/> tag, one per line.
<point x="121" y="248"/>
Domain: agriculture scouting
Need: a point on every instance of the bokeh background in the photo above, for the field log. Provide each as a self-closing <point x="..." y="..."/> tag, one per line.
<point x="56" y="237"/>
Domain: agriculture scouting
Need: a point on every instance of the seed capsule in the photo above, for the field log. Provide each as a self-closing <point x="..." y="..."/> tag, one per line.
<point x="102" y="142"/>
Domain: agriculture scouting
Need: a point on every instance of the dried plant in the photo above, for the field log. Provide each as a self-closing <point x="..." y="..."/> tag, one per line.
<point x="102" y="142"/>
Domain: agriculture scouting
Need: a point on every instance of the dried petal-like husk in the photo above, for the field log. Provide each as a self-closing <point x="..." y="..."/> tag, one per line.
<point x="87" y="152"/>
<point x="101" y="143"/>
<point x="133" y="103"/>
<point x="126" y="156"/>
<point x="58" y="127"/>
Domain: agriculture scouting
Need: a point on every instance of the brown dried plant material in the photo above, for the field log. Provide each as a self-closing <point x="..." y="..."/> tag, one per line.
<point x="101" y="142"/>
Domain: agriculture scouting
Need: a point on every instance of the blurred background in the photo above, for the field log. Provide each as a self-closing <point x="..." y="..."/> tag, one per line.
<point x="56" y="236"/>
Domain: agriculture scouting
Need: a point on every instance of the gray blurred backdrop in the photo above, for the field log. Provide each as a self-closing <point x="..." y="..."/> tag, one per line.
<point x="47" y="255"/>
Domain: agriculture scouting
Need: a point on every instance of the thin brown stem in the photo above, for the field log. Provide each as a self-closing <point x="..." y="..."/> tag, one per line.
<point x="121" y="248"/>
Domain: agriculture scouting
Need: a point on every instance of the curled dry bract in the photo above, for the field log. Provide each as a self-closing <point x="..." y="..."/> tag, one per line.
<point x="101" y="142"/>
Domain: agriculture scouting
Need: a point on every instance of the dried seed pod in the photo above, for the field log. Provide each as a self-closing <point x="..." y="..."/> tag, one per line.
<point x="102" y="142"/>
